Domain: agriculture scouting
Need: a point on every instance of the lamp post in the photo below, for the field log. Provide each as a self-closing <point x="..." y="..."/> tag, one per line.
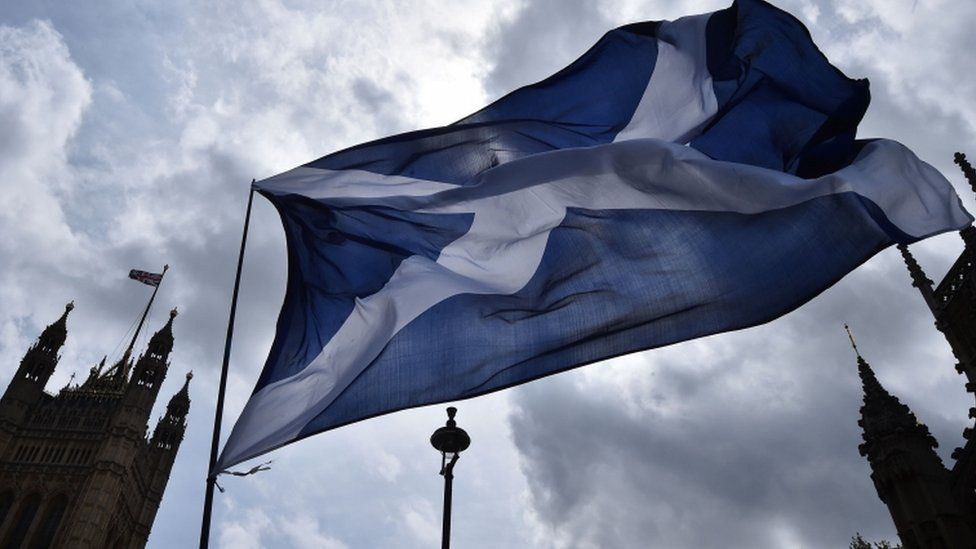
<point x="450" y="440"/>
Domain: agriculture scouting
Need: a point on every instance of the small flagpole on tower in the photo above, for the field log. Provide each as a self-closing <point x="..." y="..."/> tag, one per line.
<point x="850" y="336"/>
<point x="219" y="413"/>
<point x="128" y="351"/>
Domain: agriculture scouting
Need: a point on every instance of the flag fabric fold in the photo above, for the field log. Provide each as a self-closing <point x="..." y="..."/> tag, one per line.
<point x="681" y="178"/>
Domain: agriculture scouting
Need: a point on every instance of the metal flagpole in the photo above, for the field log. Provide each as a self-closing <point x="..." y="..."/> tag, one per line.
<point x="218" y="416"/>
<point x="128" y="352"/>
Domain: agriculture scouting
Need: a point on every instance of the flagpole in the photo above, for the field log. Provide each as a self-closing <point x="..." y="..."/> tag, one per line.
<point x="218" y="415"/>
<point x="128" y="352"/>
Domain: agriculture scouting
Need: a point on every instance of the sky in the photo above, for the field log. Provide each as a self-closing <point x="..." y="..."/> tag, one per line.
<point x="132" y="129"/>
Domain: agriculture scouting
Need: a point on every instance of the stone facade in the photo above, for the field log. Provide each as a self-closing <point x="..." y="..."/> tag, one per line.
<point x="933" y="507"/>
<point x="76" y="468"/>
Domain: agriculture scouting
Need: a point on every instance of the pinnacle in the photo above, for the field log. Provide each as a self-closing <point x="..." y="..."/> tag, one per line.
<point x="883" y="414"/>
<point x="162" y="341"/>
<point x="919" y="279"/>
<point x="179" y="404"/>
<point x="967" y="169"/>
<point x="872" y="387"/>
<point x="53" y="336"/>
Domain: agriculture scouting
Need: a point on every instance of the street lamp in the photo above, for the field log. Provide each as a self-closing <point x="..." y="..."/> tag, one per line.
<point x="450" y="440"/>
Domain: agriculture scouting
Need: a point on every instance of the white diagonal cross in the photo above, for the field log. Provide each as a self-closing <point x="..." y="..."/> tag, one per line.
<point x="505" y="243"/>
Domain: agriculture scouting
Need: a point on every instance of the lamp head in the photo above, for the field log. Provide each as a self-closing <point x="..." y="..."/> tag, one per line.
<point x="450" y="439"/>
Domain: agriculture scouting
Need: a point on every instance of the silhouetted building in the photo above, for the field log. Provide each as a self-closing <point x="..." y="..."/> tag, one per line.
<point x="76" y="468"/>
<point x="932" y="506"/>
<point x="908" y="474"/>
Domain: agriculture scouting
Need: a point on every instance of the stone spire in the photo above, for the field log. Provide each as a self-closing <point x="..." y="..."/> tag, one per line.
<point x="883" y="415"/>
<point x="169" y="431"/>
<point x="179" y="405"/>
<point x="52" y="338"/>
<point x="76" y="463"/>
<point x="40" y="360"/>
<point x="162" y="341"/>
<point x="150" y="370"/>
<point x="907" y="473"/>
<point x="967" y="169"/>
<point x="919" y="279"/>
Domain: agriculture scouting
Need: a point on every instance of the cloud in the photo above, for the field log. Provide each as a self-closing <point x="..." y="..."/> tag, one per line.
<point x="43" y="96"/>
<point x="303" y="532"/>
<point x="910" y="52"/>
<point x="133" y="148"/>
<point x="387" y="466"/>
<point x="422" y="522"/>
<point x="749" y="439"/>
<point x="246" y="533"/>
<point x="254" y="528"/>
<point x="738" y="440"/>
<point x="534" y="39"/>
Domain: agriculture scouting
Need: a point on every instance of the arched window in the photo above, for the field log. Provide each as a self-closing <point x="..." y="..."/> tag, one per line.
<point x="25" y="517"/>
<point x="48" y="528"/>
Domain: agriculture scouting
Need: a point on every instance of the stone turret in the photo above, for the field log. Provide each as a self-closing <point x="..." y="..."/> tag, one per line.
<point x="157" y="458"/>
<point x="883" y="416"/>
<point x="124" y="451"/>
<point x="169" y="431"/>
<point x="907" y="473"/>
<point x="953" y="304"/>
<point x="150" y="370"/>
<point x="27" y="386"/>
<point x="40" y="360"/>
<point x="76" y="467"/>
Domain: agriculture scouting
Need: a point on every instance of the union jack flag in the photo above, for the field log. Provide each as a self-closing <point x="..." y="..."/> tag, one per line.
<point x="152" y="279"/>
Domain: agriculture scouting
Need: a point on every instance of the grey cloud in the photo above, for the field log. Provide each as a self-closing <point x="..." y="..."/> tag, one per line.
<point x="372" y="95"/>
<point x="187" y="107"/>
<point x="749" y="437"/>
<point x="542" y="37"/>
<point x="758" y="448"/>
<point x="381" y="103"/>
<point x="761" y="451"/>
<point x="746" y="439"/>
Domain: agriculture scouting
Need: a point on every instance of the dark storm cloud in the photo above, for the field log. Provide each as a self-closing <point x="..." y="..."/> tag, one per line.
<point x="750" y="439"/>
<point x="752" y="443"/>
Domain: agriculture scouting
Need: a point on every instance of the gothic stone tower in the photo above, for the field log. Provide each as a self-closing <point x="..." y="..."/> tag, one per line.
<point x="932" y="506"/>
<point x="76" y="468"/>
<point x="908" y="474"/>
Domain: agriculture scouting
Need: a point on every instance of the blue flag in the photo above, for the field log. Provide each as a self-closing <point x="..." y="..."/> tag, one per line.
<point x="679" y="179"/>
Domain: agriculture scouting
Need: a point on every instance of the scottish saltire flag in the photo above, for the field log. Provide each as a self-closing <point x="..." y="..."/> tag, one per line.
<point x="679" y="179"/>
